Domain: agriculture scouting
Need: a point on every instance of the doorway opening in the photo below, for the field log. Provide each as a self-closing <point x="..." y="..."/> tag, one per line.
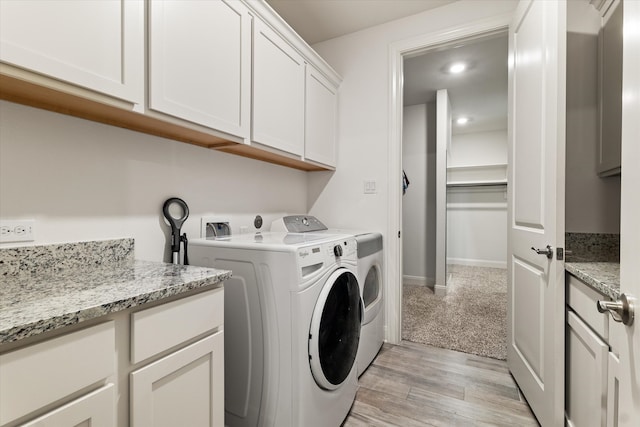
<point x="402" y="54"/>
<point x="454" y="147"/>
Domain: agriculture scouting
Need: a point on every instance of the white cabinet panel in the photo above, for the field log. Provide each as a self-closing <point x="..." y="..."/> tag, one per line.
<point x="586" y="395"/>
<point x="613" y="390"/>
<point x="582" y="299"/>
<point x="38" y="375"/>
<point x="320" y="118"/>
<point x="278" y="92"/>
<point x="199" y="62"/>
<point x="96" y="409"/>
<point x="98" y="45"/>
<point x="609" y="155"/>
<point x="185" y="388"/>
<point x="159" y="328"/>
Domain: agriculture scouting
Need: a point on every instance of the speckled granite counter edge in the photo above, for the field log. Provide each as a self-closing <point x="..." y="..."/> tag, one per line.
<point x="71" y="318"/>
<point x="85" y="268"/>
<point x="63" y="256"/>
<point x="602" y="285"/>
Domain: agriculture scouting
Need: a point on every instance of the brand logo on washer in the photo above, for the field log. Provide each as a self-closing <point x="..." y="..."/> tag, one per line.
<point x="303" y="254"/>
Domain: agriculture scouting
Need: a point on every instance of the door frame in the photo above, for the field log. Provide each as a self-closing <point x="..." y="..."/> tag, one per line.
<point x="397" y="51"/>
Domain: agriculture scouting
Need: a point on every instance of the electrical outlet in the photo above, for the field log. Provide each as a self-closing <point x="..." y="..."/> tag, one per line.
<point x="23" y="230"/>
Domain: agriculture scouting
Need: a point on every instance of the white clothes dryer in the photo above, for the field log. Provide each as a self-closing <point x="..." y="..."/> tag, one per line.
<point x="370" y="276"/>
<point x="292" y="326"/>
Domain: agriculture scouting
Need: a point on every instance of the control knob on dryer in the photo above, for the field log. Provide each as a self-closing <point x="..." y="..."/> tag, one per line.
<point x="337" y="250"/>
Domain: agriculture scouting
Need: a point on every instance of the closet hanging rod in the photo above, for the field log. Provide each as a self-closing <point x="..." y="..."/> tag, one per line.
<point x="477" y="184"/>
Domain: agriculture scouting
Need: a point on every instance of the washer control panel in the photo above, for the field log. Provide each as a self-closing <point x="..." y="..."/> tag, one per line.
<point x="298" y="224"/>
<point x="327" y="253"/>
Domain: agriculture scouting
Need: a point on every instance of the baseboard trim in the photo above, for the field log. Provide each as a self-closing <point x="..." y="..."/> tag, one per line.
<point x="418" y="280"/>
<point x="440" y="290"/>
<point x="477" y="262"/>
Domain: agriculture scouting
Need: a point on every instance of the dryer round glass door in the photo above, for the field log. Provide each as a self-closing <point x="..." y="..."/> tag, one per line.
<point x="335" y="330"/>
<point x="371" y="286"/>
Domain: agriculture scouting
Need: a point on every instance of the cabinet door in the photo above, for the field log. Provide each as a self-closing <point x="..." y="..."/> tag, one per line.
<point x="38" y="375"/>
<point x="320" y="118"/>
<point x="96" y="409"/>
<point x="586" y="371"/>
<point x="611" y="93"/>
<point x="185" y="388"/>
<point x="199" y="62"/>
<point x="278" y="92"/>
<point x="98" y="45"/>
<point x="613" y="390"/>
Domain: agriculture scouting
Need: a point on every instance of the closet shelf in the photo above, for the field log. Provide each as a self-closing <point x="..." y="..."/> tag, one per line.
<point x="468" y="167"/>
<point x="477" y="175"/>
<point x="477" y="183"/>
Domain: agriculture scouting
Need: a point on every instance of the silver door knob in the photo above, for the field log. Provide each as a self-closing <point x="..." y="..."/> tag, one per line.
<point x="548" y="251"/>
<point x="622" y="310"/>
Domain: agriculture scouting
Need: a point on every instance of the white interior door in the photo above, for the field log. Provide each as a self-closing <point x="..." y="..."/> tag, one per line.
<point x="443" y="142"/>
<point x="535" y="313"/>
<point x="626" y="339"/>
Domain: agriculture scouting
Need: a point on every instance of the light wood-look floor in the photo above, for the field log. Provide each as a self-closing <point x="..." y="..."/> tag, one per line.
<point x="417" y="385"/>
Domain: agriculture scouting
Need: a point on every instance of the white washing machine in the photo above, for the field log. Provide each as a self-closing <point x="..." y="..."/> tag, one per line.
<point x="370" y="277"/>
<point x="292" y="326"/>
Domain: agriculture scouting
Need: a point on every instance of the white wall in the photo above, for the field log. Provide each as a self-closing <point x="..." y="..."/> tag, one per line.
<point x="477" y="216"/>
<point x="418" y="204"/>
<point x="480" y="148"/>
<point x="82" y="180"/>
<point x="362" y="59"/>
<point x="592" y="203"/>
<point x="477" y="226"/>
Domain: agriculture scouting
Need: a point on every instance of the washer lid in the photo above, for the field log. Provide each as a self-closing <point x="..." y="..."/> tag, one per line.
<point x="335" y="330"/>
<point x="274" y="241"/>
<point x="298" y="224"/>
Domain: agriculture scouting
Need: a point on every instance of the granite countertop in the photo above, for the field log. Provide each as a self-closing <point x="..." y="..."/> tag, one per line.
<point x="594" y="258"/>
<point x="49" y="287"/>
<point x="604" y="277"/>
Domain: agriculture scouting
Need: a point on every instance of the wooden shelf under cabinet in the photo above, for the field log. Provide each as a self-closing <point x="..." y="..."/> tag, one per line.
<point x="23" y="92"/>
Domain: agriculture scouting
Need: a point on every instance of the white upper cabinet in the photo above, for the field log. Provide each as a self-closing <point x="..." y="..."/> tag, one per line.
<point x="224" y="74"/>
<point x="320" y="118"/>
<point x="199" y="62"/>
<point x="609" y="157"/>
<point x="278" y="92"/>
<point x="98" y="45"/>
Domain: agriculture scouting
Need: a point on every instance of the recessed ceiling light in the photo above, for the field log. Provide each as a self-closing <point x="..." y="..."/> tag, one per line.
<point x="462" y="120"/>
<point x="457" y="67"/>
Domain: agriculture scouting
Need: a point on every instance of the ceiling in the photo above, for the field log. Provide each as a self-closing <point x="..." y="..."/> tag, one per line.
<point x="320" y="20"/>
<point x="479" y="93"/>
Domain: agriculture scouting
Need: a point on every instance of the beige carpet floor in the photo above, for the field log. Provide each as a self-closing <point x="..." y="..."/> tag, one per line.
<point x="471" y="318"/>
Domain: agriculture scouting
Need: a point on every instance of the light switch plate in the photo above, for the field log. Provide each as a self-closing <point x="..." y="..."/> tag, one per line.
<point x="370" y="187"/>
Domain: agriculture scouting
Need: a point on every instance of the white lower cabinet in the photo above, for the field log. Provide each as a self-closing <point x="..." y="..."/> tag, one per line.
<point x="36" y="377"/>
<point x="591" y="381"/>
<point x="185" y="388"/>
<point x="146" y="366"/>
<point x="96" y="409"/>
<point x="586" y="372"/>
